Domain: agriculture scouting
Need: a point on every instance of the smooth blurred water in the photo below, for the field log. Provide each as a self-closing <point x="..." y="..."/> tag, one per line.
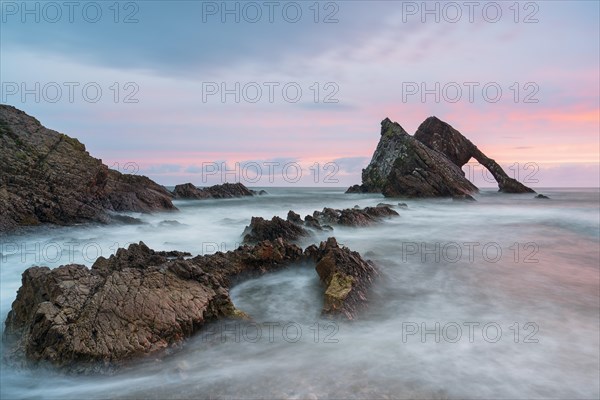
<point x="525" y="266"/>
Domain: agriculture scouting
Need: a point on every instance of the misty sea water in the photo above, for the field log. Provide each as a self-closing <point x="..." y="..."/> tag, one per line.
<point x="497" y="298"/>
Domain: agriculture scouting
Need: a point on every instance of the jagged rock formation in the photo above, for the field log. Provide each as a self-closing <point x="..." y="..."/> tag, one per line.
<point x="262" y="229"/>
<point x="224" y="191"/>
<point x="140" y="301"/>
<point x="440" y="136"/>
<point x="427" y="164"/>
<point x="354" y="217"/>
<point x="49" y="177"/>
<point x="403" y="166"/>
<point x="347" y="278"/>
<point x="294" y="228"/>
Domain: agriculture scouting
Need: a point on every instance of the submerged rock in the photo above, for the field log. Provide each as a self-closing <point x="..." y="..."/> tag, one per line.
<point x="541" y="196"/>
<point x="140" y="301"/>
<point x="464" y="197"/>
<point x="427" y="164"/>
<point x="224" y="191"/>
<point x="49" y="177"/>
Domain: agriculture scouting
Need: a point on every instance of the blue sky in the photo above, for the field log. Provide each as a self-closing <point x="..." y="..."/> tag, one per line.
<point x="162" y="68"/>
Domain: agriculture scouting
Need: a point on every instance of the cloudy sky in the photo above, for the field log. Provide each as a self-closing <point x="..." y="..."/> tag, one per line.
<point x="212" y="91"/>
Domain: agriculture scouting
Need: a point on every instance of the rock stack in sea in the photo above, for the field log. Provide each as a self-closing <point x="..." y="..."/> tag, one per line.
<point x="427" y="164"/>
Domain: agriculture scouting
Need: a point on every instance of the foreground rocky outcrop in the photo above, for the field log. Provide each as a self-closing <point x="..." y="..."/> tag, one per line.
<point x="427" y="164"/>
<point x="49" y="177"/>
<point x="140" y="301"/>
<point x="225" y="191"/>
<point x="294" y="228"/>
<point x="347" y="278"/>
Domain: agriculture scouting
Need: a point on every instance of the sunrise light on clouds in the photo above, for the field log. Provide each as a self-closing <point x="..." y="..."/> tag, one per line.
<point x="370" y="58"/>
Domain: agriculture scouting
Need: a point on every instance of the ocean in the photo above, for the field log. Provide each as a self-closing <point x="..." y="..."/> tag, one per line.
<point x="497" y="298"/>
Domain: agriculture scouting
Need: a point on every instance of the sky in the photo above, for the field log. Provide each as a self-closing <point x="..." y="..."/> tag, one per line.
<point x="274" y="93"/>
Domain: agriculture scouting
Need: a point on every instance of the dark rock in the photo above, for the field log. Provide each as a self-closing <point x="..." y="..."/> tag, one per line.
<point x="293" y="217"/>
<point x="314" y="223"/>
<point x="294" y="228"/>
<point x="356" y="189"/>
<point x="49" y="177"/>
<point x="189" y="191"/>
<point x="427" y="164"/>
<point x="224" y="191"/>
<point x="541" y="196"/>
<point x="353" y="217"/>
<point x="174" y="254"/>
<point x="402" y="166"/>
<point x="418" y="171"/>
<point x="262" y="229"/>
<point x="464" y="197"/>
<point x="402" y="205"/>
<point x="138" y="301"/>
<point x="441" y="136"/>
<point x="346" y="276"/>
<point x="228" y="190"/>
<point x="259" y="193"/>
<point x="384" y="205"/>
<point x="125" y="220"/>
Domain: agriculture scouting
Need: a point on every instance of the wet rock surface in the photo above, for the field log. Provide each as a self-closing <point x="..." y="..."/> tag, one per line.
<point x="262" y="229"/>
<point x="427" y="164"/>
<point x="294" y="227"/>
<point x="346" y="276"/>
<point x="49" y="177"/>
<point x="140" y="301"/>
<point x="354" y="217"/>
<point x="225" y="191"/>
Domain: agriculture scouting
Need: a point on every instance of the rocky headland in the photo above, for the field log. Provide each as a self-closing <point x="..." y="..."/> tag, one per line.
<point x="49" y="177"/>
